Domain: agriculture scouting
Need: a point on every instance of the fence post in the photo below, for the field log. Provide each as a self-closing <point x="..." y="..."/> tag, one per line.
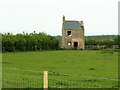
<point x="45" y="80"/>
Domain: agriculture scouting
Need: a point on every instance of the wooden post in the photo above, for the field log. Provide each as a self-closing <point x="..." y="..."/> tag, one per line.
<point x="45" y="80"/>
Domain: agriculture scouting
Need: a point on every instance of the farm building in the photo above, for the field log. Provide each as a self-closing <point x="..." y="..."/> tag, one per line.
<point x="72" y="34"/>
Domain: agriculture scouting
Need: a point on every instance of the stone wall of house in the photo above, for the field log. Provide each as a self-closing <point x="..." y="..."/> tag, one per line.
<point x="76" y="36"/>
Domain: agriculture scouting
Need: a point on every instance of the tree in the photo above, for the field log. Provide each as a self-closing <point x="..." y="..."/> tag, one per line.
<point x="117" y="40"/>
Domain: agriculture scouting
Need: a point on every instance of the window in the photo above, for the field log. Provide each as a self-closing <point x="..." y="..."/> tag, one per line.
<point x="69" y="43"/>
<point x="68" y="33"/>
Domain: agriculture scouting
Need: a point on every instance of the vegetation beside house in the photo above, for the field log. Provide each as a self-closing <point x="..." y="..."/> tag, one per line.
<point x="29" y="42"/>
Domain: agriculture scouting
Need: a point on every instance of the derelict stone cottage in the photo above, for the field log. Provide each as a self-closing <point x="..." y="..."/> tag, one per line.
<point x="72" y="34"/>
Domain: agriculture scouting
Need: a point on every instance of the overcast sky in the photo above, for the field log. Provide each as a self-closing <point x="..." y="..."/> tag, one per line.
<point x="100" y="16"/>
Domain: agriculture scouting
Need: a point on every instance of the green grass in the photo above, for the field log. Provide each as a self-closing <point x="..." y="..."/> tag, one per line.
<point x="89" y="66"/>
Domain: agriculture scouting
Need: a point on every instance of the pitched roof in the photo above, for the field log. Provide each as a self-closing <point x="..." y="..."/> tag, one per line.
<point x="72" y="25"/>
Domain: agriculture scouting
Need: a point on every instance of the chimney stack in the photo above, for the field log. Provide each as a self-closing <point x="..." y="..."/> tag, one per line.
<point x="81" y="22"/>
<point x="63" y="18"/>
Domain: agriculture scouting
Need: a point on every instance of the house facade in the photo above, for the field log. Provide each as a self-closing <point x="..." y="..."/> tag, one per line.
<point x="72" y="34"/>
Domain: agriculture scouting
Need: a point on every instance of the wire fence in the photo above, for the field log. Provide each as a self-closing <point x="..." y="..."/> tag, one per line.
<point x="16" y="78"/>
<point x="61" y="80"/>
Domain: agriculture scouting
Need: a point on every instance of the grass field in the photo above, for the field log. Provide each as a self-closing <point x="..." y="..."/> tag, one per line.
<point x="67" y="68"/>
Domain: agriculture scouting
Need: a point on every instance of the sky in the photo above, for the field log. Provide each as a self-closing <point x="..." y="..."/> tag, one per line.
<point x="100" y="17"/>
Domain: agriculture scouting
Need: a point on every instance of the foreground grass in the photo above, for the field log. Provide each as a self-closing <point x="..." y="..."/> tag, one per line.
<point x="97" y="64"/>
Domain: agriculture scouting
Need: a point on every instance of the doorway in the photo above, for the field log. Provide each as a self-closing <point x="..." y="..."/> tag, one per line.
<point x="75" y="45"/>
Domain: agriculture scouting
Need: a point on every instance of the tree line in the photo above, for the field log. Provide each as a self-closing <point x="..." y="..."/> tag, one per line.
<point x="29" y="42"/>
<point x="104" y="41"/>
